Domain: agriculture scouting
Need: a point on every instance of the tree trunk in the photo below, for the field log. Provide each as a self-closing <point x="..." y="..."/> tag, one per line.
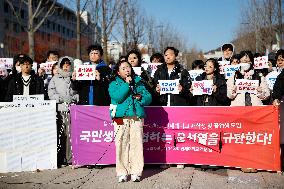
<point x="31" y="44"/>
<point x="78" y="50"/>
<point x="31" y="31"/>
<point x="125" y="44"/>
<point x="280" y="22"/>
<point x="104" y="30"/>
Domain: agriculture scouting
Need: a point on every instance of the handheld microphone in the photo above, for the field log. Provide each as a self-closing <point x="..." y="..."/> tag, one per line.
<point x="131" y="83"/>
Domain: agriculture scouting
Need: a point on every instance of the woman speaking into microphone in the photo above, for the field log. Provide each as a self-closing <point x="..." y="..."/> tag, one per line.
<point x="128" y="98"/>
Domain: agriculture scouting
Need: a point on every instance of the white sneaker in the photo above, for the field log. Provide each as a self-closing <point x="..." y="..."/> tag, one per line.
<point x="180" y="166"/>
<point x="122" y="178"/>
<point x="135" y="178"/>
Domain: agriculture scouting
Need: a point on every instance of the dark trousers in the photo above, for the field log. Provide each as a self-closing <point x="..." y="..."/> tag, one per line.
<point x="64" y="155"/>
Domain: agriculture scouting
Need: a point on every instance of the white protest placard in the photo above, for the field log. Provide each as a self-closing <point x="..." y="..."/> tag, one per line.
<point x="222" y="65"/>
<point x="202" y="87"/>
<point x="34" y="66"/>
<point x="47" y="66"/>
<point x="8" y="62"/>
<point x="247" y="86"/>
<point x="271" y="78"/>
<point x="169" y="86"/>
<point x="153" y="67"/>
<point x="195" y="73"/>
<point x="230" y="70"/>
<point x="261" y="62"/>
<point x="85" y="72"/>
<point x="137" y="70"/>
<point x="28" y="138"/>
<point x="28" y="98"/>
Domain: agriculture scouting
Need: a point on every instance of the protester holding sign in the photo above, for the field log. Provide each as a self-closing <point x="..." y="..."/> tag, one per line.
<point x="95" y="92"/>
<point x="215" y="95"/>
<point x="171" y="70"/>
<point x="128" y="98"/>
<point x="26" y="82"/>
<point x="60" y="89"/>
<point x="261" y="91"/>
<point x="246" y="72"/>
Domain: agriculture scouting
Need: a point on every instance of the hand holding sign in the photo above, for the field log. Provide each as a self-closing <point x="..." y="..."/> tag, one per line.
<point x="202" y="87"/>
<point x="86" y="72"/>
<point x="98" y="76"/>
<point x="41" y="72"/>
<point x="247" y="86"/>
<point x="169" y="86"/>
<point x="261" y="62"/>
<point x="158" y="88"/>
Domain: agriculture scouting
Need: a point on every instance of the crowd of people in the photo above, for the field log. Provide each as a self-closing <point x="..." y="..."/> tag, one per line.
<point x="128" y="93"/>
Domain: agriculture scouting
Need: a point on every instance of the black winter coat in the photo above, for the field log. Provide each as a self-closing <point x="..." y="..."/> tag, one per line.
<point x="100" y="88"/>
<point x="16" y="86"/>
<point x="180" y="73"/>
<point x="218" y="98"/>
<point x="278" y="89"/>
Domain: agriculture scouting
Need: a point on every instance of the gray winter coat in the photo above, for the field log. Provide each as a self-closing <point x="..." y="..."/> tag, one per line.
<point x="60" y="89"/>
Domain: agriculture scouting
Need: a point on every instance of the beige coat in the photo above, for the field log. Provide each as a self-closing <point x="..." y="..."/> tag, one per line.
<point x="239" y="99"/>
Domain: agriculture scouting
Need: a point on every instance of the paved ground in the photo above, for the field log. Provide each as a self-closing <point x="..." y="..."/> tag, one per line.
<point x="153" y="178"/>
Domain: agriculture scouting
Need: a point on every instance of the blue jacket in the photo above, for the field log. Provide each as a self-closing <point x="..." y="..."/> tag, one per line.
<point x="121" y="98"/>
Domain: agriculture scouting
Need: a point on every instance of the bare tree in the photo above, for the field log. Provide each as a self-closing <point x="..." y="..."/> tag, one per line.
<point x="136" y="25"/>
<point x="37" y="10"/>
<point x="261" y="23"/>
<point x="108" y="18"/>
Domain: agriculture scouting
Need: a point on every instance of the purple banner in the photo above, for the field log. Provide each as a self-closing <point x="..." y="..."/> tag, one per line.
<point x="92" y="134"/>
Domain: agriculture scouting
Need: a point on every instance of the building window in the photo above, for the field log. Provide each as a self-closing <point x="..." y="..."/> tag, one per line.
<point x="6" y="24"/>
<point x="63" y="29"/>
<point x="68" y="32"/>
<point x="15" y="28"/>
<point x="53" y="26"/>
<point x="42" y="35"/>
<point x="58" y="28"/>
<point x="48" y="24"/>
<point x="22" y="14"/>
<point x="6" y="7"/>
<point x="48" y="37"/>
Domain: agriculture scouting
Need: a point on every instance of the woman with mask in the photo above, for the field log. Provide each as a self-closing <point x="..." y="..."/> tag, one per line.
<point x="246" y="72"/>
<point x="247" y="99"/>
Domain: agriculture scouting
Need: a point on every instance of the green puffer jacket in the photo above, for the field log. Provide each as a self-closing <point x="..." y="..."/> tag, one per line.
<point x="122" y="102"/>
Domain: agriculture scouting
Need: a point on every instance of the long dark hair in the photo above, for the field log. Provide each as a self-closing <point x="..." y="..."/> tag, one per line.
<point x="116" y="69"/>
<point x="216" y="66"/>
